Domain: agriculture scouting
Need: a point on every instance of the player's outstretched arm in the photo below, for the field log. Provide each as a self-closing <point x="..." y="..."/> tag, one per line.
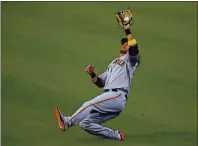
<point x="132" y="43"/>
<point x="95" y="79"/>
<point x="128" y="32"/>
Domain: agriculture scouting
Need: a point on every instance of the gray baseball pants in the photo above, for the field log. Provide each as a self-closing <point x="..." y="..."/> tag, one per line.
<point x="100" y="109"/>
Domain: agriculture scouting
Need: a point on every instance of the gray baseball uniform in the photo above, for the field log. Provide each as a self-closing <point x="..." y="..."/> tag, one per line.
<point x="109" y="104"/>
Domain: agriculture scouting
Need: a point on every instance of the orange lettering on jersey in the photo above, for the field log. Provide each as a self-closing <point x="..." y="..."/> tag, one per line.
<point x="119" y="62"/>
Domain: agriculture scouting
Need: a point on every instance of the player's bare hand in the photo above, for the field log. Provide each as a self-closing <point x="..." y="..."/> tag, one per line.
<point x="89" y="69"/>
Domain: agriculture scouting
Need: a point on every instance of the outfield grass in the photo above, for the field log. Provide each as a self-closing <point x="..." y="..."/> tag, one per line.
<point x="46" y="46"/>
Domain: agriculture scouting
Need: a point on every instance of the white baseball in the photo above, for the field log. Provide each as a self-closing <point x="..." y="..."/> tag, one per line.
<point x="126" y="19"/>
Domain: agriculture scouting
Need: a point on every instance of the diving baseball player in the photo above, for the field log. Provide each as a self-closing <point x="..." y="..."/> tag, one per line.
<point x="116" y="82"/>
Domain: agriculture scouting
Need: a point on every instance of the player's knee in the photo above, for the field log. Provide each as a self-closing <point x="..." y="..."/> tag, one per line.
<point x="84" y="124"/>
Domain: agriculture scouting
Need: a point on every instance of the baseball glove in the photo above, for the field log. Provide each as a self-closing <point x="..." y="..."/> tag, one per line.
<point x="124" y="17"/>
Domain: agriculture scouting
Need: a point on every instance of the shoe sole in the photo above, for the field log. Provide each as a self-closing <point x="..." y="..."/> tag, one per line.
<point x="58" y="118"/>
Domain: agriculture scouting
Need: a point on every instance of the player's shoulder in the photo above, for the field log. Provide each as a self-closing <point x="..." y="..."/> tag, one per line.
<point x="125" y="57"/>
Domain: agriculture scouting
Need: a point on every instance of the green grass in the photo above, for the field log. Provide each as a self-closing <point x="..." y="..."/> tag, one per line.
<point x="46" y="46"/>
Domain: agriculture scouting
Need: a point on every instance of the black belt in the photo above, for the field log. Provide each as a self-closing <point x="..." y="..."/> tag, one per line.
<point x="116" y="90"/>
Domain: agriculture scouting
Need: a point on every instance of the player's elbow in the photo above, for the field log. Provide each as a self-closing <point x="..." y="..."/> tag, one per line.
<point x="133" y="50"/>
<point x="99" y="83"/>
<point x="100" y="86"/>
<point x="134" y="54"/>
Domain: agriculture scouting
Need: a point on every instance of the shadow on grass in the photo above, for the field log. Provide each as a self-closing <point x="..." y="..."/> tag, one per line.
<point x="162" y="135"/>
<point x="167" y="137"/>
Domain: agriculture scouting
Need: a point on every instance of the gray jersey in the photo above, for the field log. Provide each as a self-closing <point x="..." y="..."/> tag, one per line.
<point x="119" y="73"/>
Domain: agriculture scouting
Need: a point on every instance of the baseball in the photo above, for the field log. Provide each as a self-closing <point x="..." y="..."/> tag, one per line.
<point x="126" y="19"/>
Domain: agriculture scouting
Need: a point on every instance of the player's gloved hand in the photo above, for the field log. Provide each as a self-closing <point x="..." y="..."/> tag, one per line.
<point x="124" y="17"/>
<point x="89" y="69"/>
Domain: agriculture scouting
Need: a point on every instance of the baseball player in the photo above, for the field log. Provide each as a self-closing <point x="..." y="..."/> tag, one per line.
<point x="116" y="82"/>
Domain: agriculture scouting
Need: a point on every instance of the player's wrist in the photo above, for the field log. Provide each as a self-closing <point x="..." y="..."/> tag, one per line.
<point x="127" y="31"/>
<point x="92" y="75"/>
